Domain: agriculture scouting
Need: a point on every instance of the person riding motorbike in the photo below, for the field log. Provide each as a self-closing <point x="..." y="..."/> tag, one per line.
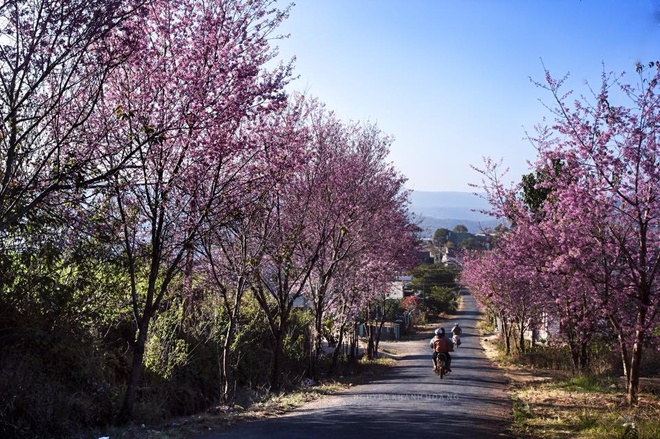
<point x="456" y="331"/>
<point x="441" y="345"/>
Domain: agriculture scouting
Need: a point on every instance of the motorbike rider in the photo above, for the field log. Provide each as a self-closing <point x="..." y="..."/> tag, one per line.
<point x="441" y="345"/>
<point x="457" y="331"/>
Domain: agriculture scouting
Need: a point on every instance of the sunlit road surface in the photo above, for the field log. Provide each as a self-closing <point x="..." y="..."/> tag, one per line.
<point x="409" y="401"/>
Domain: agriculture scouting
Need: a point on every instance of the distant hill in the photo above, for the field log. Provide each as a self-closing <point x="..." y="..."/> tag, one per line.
<point x="447" y="209"/>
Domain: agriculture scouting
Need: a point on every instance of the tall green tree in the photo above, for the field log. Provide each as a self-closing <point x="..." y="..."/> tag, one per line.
<point x="437" y="284"/>
<point x="441" y="236"/>
<point x="536" y="186"/>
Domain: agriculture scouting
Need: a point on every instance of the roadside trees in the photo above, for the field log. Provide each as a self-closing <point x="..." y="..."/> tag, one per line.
<point x="233" y="245"/>
<point x="601" y="221"/>
<point x="437" y="284"/>
<point x="610" y="190"/>
<point x="55" y="59"/>
<point x="361" y="210"/>
<point x="509" y="288"/>
<point x="333" y="210"/>
<point x="194" y="79"/>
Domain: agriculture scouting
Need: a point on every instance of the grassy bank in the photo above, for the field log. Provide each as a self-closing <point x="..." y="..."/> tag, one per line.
<point x="550" y="403"/>
<point x="581" y="407"/>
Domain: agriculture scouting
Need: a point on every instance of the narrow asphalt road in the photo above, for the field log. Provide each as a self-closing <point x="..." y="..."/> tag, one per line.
<point x="409" y="401"/>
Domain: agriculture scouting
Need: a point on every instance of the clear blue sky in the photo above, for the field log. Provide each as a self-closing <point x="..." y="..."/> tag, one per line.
<point x="450" y="79"/>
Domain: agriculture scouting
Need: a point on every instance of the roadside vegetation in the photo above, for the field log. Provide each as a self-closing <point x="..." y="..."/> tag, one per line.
<point x="254" y="405"/>
<point x="255" y="402"/>
<point x="552" y="400"/>
<point x="177" y="231"/>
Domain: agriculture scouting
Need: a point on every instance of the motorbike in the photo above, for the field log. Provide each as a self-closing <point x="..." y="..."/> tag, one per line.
<point x="457" y="340"/>
<point x="441" y="365"/>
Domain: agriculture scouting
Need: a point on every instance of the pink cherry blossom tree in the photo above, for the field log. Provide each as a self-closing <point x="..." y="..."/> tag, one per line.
<point x="330" y="210"/>
<point x="609" y="147"/>
<point x="285" y="264"/>
<point x="600" y="222"/>
<point x="233" y="246"/>
<point x="195" y="80"/>
<point x="55" y="58"/>
<point x="545" y="240"/>
<point x="359" y="203"/>
<point x="509" y="288"/>
<point x="293" y="244"/>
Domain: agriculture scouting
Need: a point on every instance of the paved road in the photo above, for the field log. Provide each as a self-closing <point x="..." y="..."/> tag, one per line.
<point x="410" y="401"/>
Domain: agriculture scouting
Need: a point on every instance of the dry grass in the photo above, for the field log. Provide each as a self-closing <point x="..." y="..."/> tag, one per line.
<point x="557" y="410"/>
<point x="549" y="404"/>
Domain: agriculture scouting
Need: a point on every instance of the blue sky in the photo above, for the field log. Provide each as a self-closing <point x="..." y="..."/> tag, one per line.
<point x="450" y="79"/>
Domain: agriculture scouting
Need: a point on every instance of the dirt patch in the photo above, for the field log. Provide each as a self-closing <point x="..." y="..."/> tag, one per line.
<point x="408" y="345"/>
<point x="221" y="417"/>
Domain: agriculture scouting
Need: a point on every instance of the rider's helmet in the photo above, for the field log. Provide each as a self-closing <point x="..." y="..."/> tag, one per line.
<point x="440" y="331"/>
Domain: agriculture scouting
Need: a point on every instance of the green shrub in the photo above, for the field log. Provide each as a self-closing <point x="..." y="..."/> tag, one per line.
<point x="51" y="384"/>
<point x="441" y="300"/>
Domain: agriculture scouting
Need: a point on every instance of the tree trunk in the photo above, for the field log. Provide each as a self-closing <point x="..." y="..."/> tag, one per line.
<point x="521" y="329"/>
<point x="575" y="354"/>
<point x="316" y="348"/>
<point x="126" y="412"/>
<point x="275" y="381"/>
<point x="337" y="351"/>
<point x="506" y="332"/>
<point x="370" y="342"/>
<point x="625" y="358"/>
<point x="584" y="355"/>
<point x="378" y="335"/>
<point x="635" y="362"/>
<point x="637" y="348"/>
<point x="354" y="343"/>
<point x="227" y="363"/>
<point x="309" y="345"/>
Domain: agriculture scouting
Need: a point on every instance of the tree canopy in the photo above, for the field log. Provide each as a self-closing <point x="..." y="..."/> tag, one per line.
<point x="585" y="224"/>
<point x="169" y="213"/>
